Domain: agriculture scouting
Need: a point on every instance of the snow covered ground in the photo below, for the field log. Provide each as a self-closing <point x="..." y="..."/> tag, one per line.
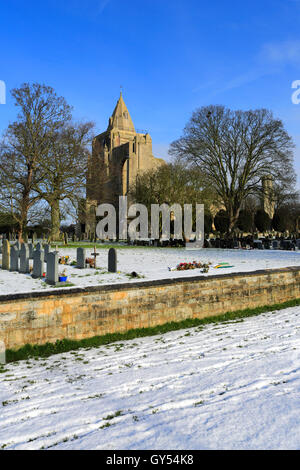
<point x="233" y="385"/>
<point x="152" y="263"/>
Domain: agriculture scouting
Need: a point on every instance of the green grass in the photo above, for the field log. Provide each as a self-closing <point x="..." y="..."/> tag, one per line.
<point x="66" y="345"/>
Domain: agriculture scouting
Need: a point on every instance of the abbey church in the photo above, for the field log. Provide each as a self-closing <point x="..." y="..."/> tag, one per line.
<point x="119" y="155"/>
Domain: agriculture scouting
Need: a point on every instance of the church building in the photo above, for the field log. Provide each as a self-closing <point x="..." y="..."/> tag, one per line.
<point x="119" y="155"/>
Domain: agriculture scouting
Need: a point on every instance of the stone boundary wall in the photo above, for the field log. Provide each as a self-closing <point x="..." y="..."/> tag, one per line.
<point x="77" y="313"/>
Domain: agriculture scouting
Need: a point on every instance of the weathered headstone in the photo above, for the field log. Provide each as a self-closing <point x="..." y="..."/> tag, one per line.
<point x="112" y="260"/>
<point x="81" y="257"/>
<point x="47" y="251"/>
<point x="6" y="255"/>
<point x="24" y="259"/>
<point x="38" y="264"/>
<point x="30" y="247"/>
<point x="34" y="237"/>
<point x="14" y="258"/>
<point x="2" y="353"/>
<point x="39" y="246"/>
<point x="52" y="268"/>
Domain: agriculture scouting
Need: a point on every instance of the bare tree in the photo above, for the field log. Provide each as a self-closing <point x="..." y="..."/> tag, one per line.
<point x="25" y="145"/>
<point x="236" y="150"/>
<point x="64" y="169"/>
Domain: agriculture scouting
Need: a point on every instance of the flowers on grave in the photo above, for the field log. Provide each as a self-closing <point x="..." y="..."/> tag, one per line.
<point x="66" y="260"/>
<point x="193" y="265"/>
<point x="63" y="276"/>
<point x="91" y="262"/>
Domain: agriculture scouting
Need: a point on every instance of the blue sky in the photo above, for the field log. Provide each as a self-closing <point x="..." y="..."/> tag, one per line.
<point x="170" y="56"/>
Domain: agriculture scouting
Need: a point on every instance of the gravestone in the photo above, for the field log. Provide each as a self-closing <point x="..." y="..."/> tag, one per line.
<point x="34" y="237"/>
<point x="52" y="269"/>
<point x="112" y="260"/>
<point x="38" y="264"/>
<point x="81" y="257"/>
<point x="24" y="259"/>
<point x="14" y="258"/>
<point x="18" y="245"/>
<point x="30" y="247"/>
<point x="39" y="246"/>
<point x="47" y="251"/>
<point x="6" y="255"/>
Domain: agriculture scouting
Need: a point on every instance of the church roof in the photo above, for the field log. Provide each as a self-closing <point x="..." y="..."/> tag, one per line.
<point x="120" y="118"/>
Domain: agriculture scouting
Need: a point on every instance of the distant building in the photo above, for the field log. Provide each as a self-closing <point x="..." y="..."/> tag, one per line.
<point x="119" y="155"/>
<point x="268" y="199"/>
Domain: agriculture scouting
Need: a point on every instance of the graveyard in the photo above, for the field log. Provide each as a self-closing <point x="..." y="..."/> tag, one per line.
<point x="40" y="266"/>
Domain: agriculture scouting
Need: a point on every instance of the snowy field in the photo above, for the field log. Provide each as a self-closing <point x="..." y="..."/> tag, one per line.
<point x="233" y="385"/>
<point x="152" y="263"/>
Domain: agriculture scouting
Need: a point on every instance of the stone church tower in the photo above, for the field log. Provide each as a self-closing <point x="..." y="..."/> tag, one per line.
<point x="268" y="199"/>
<point x="119" y="155"/>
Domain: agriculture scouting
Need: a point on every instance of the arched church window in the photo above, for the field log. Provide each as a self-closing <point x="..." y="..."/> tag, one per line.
<point x="125" y="114"/>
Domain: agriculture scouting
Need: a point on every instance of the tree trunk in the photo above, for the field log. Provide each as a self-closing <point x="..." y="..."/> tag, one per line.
<point x="55" y="220"/>
<point x="25" y="204"/>
<point x="233" y="218"/>
<point x="20" y="234"/>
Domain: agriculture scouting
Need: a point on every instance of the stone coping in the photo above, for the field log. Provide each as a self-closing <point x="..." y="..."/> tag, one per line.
<point x="140" y="284"/>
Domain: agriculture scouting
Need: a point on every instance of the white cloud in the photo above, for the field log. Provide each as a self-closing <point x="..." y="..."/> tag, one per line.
<point x="244" y="79"/>
<point x="281" y="53"/>
<point x="270" y="60"/>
